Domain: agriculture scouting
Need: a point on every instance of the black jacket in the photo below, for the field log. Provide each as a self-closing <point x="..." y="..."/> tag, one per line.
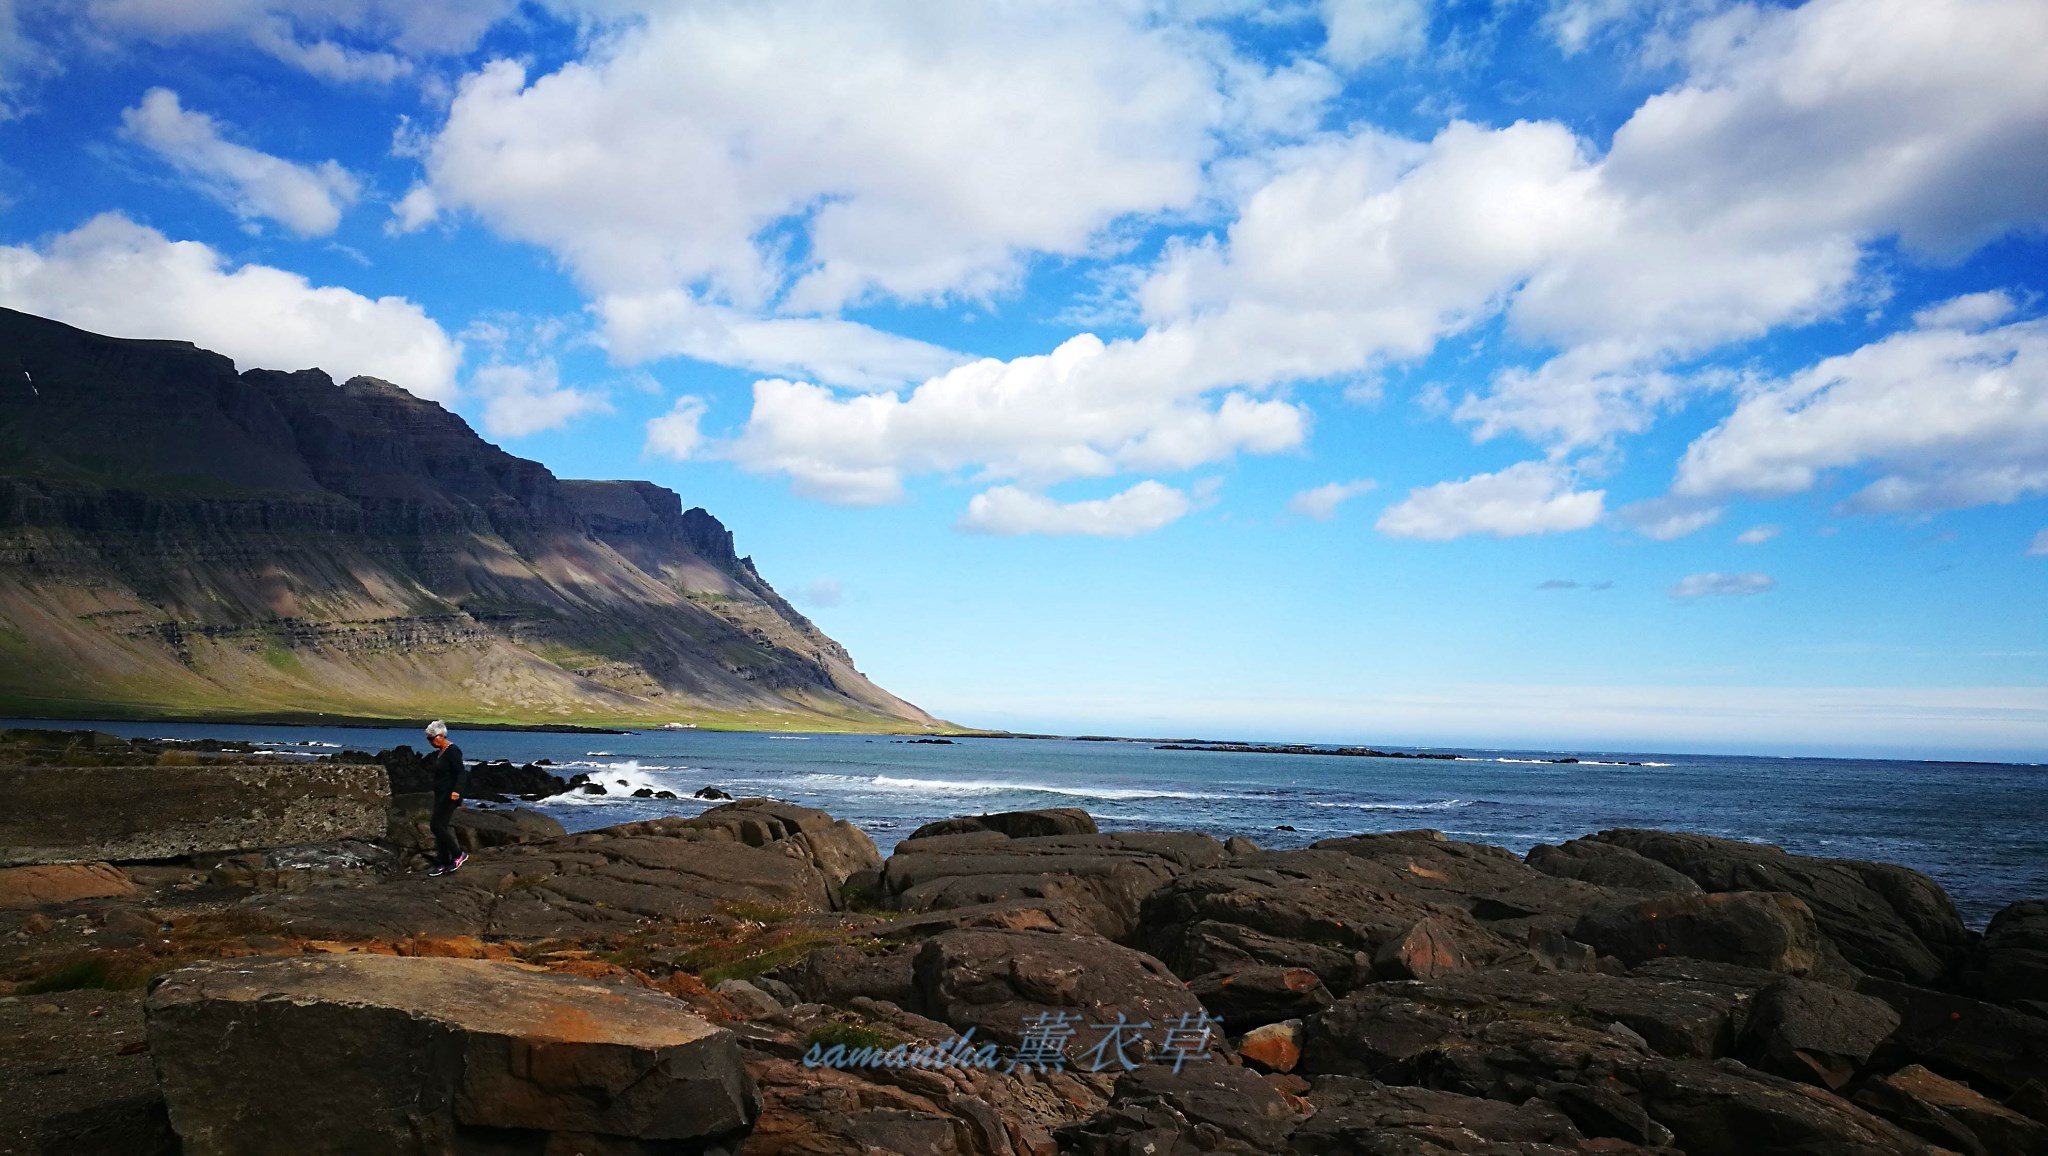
<point x="449" y="772"/>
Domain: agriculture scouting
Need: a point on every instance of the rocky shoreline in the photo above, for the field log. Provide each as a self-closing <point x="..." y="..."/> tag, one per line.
<point x="758" y="979"/>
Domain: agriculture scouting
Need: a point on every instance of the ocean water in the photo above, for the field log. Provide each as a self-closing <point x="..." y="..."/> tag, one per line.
<point x="1980" y="829"/>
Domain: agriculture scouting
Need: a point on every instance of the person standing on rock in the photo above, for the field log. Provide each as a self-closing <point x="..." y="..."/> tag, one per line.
<point x="449" y="776"/>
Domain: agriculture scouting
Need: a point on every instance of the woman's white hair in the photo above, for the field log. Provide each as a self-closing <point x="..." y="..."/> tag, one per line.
<point x="436" y="729"/>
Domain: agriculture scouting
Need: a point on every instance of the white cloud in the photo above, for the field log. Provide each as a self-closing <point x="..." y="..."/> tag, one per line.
<point x="1758" y="535"/>
<point x="1073" y="413"/>
<point x="647" y="326"/>
<point x="1574" y="23"/>
<point x="1321" y="502"/>
<point x="1970" y="311"/>
<point x="1712" y="585"/>
<point x="1362" y="32"/>
<point x="1008" y="511"/>
<point x="2039" y="548"/>
<point x="323" y="37"/>
<point x="921" y="150"/>
<point x="1664" y="519"/>
<point x="308" y="200"/>
<point x="1948" y="417"/>
<point x="1526" y="498"/>
<point x="526" y="399"/>
<point x="675" y="434"/>
<point x="113" y="276"/>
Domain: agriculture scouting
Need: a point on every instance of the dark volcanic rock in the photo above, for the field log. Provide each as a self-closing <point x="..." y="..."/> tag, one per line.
<point x="996" y="981"/>
<point x="2014" y="956"/>
<point x="1322" y="910"/>
<point x="1951" y="1115"/>
<point x="1204" y="1107"/>
<point x="1887" y="920"/>
<point x="1767" y="931"/>
<point x="1611" y="866"/>
<point x="1491" y="884"/>
<point x="1015" y="824"/>
<point x="364" y="1053"/>
<point x="1106" y="875"/>
<point x="1994" y="1047"/>
<point x="83" y="814"/>
<point x="1716" y="1111"/>
<point x="1252" y="997"/>
<point x="1813" y="1032"/>
<point x="664" y="869"/>
<point x="1364" y="1116"/>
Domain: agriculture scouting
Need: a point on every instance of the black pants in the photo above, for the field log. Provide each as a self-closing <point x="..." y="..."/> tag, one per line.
<point x="445" y="846"/>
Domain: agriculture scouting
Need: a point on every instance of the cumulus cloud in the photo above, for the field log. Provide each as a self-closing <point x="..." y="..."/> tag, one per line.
<point x="1526" y="498"/>
<point x="1362" y="32"/>
<point x="642" y="327"/>
<point x="675" y="434"/>
<point x="1008" y="511"/>
<point x="919" y="149"/>
<point x="307" y="199"/>
<point x="1072" y="413"/>
<point x="339" y="40"/>
<point x="1713" y="585"/>
<point x="1663" y="519"/>
<point x="1758" y="535"/>
<point x="526" y="399"/>
<point x="1321" y="502"/>
<point x="113" y="276"/>
<point x="1947" y="417"/>
<point x="1970" y="311"/>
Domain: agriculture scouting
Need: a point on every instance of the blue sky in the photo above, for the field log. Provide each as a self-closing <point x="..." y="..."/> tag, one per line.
<point x="1569" y="372"/>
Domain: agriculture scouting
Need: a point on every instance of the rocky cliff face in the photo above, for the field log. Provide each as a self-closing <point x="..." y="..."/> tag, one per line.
<point x="179" y="537"/>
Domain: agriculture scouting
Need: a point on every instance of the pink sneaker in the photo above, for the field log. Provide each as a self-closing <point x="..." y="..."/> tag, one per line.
<point x="460" y="858"/>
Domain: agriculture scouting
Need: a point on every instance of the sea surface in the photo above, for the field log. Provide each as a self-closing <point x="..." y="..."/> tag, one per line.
<point x="1980" y="829"/>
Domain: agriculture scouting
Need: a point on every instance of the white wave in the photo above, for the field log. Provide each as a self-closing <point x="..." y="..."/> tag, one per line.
<point x="620" y="780"/>
<point x="792" y="738"/>
<point x="595" y="754"/>
<point x="1439" y="805"/>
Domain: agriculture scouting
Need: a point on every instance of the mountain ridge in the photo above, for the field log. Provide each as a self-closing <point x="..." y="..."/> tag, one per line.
<point x="181" y="538"/>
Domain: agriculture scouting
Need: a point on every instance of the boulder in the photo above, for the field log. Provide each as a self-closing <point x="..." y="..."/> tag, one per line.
<point x="432" y="1056"/>
<point x="1251" y="997"/>
<point x="1889" y="921"/>
<point x="1714" y="1110"/>
<point x="2014" y="955"/>
<point x="87" y="814"/>
<point x="1764" y="930"/>
<point x="1001" y="983"/>
<point x="62" y="883"/>
<point x="1995" y="1047"/>
<point x="1813" y="1032"/>
<point x="1610" y="866"/>
<point x="838" y="848"/>
<point x="1325" y="911"/>
<point x="1108" y="876"/>
<point x="1203" y="1107"/>
<point x="1949" y="1114"/>
<point x="476" y="828"/>
<point x="1272" y="1048"/>
<point x="1491" y="884"/>
<point x="663" y="869"/>
<point x="1015" y="824"/>
<point x="1362" y="1116"/>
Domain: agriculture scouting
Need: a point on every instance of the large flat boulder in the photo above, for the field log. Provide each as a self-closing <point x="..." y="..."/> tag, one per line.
<point x="1107" y="876"/>
<point x="614" y="878"/>
<point x="1014" y="824"/>
<point x="361" y="1053"/>
<point x="1769" y="931"/>
<point x="1346" y="918"/>
<point x="62" y="883"/>
<point x="1889" y="921"/>
<point x="86" y="814"/>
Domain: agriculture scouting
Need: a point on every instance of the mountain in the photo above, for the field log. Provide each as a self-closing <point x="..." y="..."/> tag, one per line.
<point x="178" y="538"/>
